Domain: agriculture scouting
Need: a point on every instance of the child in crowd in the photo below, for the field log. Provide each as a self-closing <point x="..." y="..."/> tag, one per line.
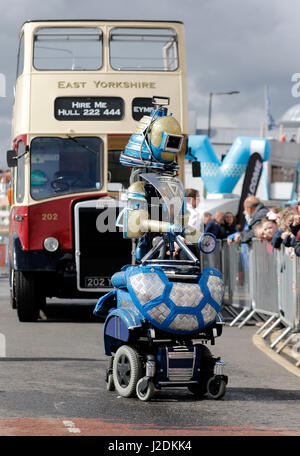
<point x="259" y="232"/>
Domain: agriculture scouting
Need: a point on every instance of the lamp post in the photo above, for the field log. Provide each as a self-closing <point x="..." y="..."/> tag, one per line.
<point x="233" y="92"/>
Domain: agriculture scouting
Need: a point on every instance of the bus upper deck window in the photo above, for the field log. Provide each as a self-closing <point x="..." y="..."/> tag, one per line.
<point x="76" y="48"/>
<point x="152" y="49"/>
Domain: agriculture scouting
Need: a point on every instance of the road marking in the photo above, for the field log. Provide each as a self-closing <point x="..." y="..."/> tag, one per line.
<point x="262" y="345"/>
<point x="2" y="346"/>
<point x="101" y="427"/>
<point x="70" y="425"/>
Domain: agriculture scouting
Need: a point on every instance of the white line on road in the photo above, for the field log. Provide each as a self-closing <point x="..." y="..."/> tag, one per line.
<point x="71" y="427"/>
<point x="2" y="346"/>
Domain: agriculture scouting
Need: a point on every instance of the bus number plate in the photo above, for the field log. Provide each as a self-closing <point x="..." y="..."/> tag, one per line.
<point x="97" y="282"/>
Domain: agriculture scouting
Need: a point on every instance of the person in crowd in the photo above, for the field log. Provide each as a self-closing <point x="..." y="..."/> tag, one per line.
<point x="207" y="217"/>
<point x="269" y="228"/>
<point x="195" y="216"/>
<point x="195" y="220"/>
<point x="254" y="212"/>
<point x="229" y="224"/>
<point x="295" y="233"/>
<point x="283" y="233"/>
<point x="259" y="232"/>
<point x="216" y="226"/>
<point x="274" y="213"/>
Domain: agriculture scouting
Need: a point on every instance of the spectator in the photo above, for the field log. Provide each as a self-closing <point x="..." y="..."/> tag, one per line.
<point x="216" y="226"/>
<point x="259" y="232"/>
<point x="282" y="235"/>
<point x="284" y="222"/>
<point x="295" y="225"/>
<point x="195" y="218"/>
<point x="274" y="213"/>
<point x="283" y="138"/>
<point x="229" y="224"/>
<point x="207" y="217"/>
<point x="254" y="212"/>
<point x="297" y="207"/>
<point x="269" y="228"/>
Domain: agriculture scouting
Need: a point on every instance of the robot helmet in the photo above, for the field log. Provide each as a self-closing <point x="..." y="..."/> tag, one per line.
<point x="156" y="141"/>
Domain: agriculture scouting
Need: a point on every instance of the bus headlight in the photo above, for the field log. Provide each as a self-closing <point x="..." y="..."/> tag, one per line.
<point x="51" y="244"/>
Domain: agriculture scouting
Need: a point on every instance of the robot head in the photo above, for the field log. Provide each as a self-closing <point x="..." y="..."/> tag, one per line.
<point x="156" y="141"/>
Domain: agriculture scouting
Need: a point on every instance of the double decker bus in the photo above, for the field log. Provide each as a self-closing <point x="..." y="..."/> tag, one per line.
<point x="82" y="86"/>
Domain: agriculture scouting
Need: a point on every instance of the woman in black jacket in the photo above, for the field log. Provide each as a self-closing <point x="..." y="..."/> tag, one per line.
<point x="229" y="224"/>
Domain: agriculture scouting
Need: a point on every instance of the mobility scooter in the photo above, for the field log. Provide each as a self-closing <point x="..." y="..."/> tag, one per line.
<point x="163" y="310"/>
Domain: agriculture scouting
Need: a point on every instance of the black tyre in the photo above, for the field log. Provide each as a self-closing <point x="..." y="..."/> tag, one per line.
<point x="127" y="370"/>
<point x="110" y="385"/>
<point x="148" y="393"/>
<point x="216" y="388"/>
<point x="199" y="389"/>
<point x="27" y="296"/>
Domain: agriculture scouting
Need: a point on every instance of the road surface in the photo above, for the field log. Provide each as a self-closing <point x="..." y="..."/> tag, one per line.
<point x="52" y="383"/>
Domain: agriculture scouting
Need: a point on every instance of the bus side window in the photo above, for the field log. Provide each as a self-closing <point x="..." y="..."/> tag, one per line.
<point x="20" y="65"/>
<point x="20" y="173"/>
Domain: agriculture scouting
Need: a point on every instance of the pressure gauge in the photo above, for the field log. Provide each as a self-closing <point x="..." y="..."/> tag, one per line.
<point x="207" y="243"/>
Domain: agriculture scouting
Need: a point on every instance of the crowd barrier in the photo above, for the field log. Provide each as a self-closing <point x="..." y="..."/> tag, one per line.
<point x="259" y="282"/>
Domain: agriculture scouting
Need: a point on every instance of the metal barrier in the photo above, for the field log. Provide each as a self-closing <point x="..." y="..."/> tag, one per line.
<point x="260" y="282"/>
<point x="236" y="272"/>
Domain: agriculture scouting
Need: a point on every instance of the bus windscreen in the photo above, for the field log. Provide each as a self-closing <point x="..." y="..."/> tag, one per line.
<point x="65" y="165"/>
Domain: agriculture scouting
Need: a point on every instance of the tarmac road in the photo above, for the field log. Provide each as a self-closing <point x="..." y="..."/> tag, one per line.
<point x="52" y="383"/>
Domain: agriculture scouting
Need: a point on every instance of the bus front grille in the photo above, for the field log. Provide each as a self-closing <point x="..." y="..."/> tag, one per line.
<point x="100" y="249"/>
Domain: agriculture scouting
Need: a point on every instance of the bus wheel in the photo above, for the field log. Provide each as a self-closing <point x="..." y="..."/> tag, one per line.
<point x="27" y="296"/>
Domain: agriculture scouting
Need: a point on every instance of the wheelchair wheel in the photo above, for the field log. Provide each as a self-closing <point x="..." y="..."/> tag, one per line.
<point x="127" y="370"/>
<point x="199" y="389"/>
<point x="110" y="385"/>
<point x="145" y="395"/>
<point x="216" y="387"/>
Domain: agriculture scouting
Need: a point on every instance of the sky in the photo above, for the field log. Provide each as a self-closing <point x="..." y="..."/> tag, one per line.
<point x="230" y="45"/>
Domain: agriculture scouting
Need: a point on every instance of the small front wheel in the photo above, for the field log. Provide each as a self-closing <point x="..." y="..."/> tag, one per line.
<point x="198" y="389"/>
<point x="110" y="386"/>
<point x="148" y="393"/>
<point x="216" y="387"/>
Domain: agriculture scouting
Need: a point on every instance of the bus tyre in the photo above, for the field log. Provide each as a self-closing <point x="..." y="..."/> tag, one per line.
<point x="216" y="387"/>
<point x="127" y="370"/>
<point x="27" y="296"/>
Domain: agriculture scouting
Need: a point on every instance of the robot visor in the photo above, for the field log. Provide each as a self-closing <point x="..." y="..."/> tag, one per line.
<point x="171" y="142"/>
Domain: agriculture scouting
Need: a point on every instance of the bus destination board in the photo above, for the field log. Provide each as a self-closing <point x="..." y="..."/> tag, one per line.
<point x="88" y="108"/>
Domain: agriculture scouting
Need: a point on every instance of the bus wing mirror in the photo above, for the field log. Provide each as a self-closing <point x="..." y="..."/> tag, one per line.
<point x="11" y="158"/>
<point x="196" y="169"/>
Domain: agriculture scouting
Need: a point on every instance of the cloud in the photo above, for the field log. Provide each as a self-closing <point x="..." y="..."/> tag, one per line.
<point x="231" y="45"/>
